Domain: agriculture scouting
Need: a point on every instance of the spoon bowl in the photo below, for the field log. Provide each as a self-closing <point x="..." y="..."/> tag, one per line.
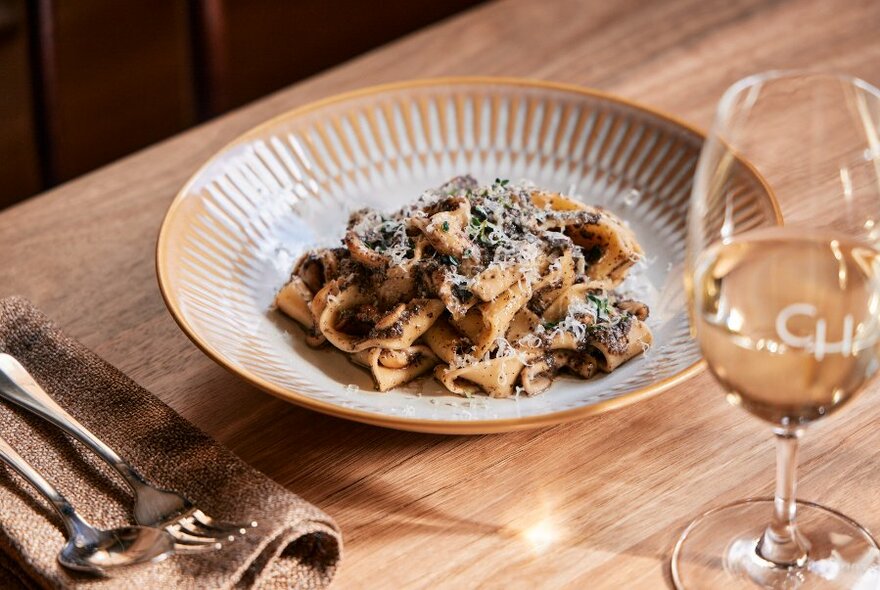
<point x="96" y="550"/>
<point x="88" y="548"/>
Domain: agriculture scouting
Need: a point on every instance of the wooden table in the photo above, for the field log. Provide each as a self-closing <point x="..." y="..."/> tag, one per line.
<point x="597" y="503"/>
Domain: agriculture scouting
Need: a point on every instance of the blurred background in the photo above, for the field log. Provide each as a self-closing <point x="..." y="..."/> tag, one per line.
<point x="85" y="82"/>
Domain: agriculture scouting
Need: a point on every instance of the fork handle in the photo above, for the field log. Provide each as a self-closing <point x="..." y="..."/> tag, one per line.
<point x="19" y="387"/>
<point x="72" y="521"/>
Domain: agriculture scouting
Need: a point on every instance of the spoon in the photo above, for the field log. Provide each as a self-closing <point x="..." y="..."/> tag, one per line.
<point x="89" y="549"/>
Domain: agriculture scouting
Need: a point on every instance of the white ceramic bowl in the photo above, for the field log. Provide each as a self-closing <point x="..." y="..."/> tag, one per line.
<point x="233" y="232"/>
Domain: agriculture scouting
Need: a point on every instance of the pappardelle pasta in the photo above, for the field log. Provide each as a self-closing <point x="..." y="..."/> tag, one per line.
<point x="495" y="288"/>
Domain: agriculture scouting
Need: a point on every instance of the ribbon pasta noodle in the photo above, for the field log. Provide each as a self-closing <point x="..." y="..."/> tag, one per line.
<point x="494" y="289"/>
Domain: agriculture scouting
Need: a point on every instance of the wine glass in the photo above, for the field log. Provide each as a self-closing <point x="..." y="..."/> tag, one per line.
<point x="788" y="316"/>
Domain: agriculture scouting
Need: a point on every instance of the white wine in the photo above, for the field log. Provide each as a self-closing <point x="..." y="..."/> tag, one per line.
<point x="789" y="324"/>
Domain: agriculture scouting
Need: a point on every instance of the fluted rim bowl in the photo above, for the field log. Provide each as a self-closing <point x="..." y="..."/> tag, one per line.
<point x="234" y="230"/>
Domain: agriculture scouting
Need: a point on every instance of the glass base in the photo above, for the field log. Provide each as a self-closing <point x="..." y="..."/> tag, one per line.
<point x="718" y="550"/>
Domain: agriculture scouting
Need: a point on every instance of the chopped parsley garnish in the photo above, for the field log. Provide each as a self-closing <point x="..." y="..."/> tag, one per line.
<point x="480" y="228"/>
<point x="550" y="325"/>
<point x="603" y="308"/>
<point x="501" y="181"/>
<point x="449" y="259"/>
<point x="445" y="226"/>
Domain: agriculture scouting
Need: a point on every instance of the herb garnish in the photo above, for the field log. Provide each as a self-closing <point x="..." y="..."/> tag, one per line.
<point x="603" y="308"/>
<point x="480" y="228"/>
<point x="445" y="226"/>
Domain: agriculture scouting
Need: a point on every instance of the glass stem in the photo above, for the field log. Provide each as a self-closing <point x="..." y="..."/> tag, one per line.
<point x="782" y="544"/>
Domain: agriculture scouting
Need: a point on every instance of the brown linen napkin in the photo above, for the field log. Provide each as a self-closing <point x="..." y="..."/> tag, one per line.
<point x="294" y="546"/>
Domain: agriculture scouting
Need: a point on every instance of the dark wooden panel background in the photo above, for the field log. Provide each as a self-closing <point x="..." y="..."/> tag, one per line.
<point x="252" y="47"/>
<point x="87" y="81"/>
<point x="19" y="159"/>
<point x="116" y="76"/>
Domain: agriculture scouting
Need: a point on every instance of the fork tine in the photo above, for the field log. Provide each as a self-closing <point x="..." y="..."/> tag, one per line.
<point x="185" y="549"/>
<point x="188" y="538"/>
<point x="184" y="545"/>
<point x="206" y="522"/>
<point x="190" y="528"/>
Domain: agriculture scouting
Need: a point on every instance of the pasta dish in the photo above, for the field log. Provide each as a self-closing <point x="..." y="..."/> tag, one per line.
<point x="493" y="288"/>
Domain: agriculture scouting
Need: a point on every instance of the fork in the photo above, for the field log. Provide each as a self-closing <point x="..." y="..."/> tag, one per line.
<point x="192" y="529"/>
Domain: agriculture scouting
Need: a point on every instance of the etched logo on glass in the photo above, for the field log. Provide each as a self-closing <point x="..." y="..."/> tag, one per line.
<point x="817" y="343"/>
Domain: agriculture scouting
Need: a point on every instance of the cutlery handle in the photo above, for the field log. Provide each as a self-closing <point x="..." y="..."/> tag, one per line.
<point x="65" y="510"/>
<point x="19" y="387"/>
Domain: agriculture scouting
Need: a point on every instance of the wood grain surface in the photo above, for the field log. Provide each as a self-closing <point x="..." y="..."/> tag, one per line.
<point x="595" y="504"/>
